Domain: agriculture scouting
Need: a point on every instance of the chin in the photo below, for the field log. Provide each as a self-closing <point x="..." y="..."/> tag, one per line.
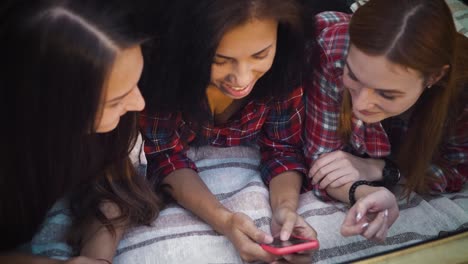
<point x="370" y="119"/>
<point x="106" y="129"/>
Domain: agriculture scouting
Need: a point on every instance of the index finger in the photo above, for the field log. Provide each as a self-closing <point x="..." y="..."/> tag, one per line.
<point x="287" y="227"/>
<point x="354" y="223"/>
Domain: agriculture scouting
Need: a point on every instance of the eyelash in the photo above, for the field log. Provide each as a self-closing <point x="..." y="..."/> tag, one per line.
<point x="385" y="96"/>
<point x="382" y="94"/>
<point x="261" y="56"/>
<point x="352" y="77"/>
<point x="220" y="63"/>
<point x="257" y="57"/>
<point x="114" y="105"/>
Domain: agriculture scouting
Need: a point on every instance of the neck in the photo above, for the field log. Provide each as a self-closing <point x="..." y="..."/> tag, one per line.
<point x="217" y="100"/>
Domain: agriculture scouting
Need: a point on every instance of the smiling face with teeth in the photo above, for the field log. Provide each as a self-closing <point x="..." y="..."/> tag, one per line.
<point x="244" y="54"/>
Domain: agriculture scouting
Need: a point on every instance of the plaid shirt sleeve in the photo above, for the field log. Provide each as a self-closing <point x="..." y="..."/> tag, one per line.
<point x="280" y="140"/>
<point x="164" y="146"/>
<point x="452" y="168"/>
<point x="324" y="98"/>
<point x="323" y="94"/>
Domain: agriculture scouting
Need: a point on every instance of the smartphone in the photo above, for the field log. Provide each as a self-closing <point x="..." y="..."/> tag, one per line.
<point x="293" y="245"/>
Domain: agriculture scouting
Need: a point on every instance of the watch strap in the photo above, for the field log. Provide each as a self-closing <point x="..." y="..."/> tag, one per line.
<point x="352" y="190"/>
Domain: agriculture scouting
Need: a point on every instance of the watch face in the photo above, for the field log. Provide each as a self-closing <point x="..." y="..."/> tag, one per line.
<point x="390" y="173"/>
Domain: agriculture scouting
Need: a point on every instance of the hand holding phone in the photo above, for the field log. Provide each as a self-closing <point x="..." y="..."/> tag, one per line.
<point x="293" y="245"/>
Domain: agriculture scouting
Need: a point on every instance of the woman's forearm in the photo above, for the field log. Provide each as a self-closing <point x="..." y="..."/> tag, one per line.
<point x="342" y="193"/>
<point x="16" y="258"/>
<point x="190" y="191"/>
<point x="285" y="189"/>
<point x="98" y="241"/>
<point x="101" y="243"/>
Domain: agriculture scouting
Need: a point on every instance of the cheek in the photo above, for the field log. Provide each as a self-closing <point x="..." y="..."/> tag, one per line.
<point x="399" y="105"/>
<point x="262" y="67"/>
<point x="351" y="86"/>
<point x="108" y="119"/>
<point x="218" y="73"/>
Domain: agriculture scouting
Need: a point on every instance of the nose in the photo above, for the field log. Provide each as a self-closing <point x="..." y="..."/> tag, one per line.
<point x="241" y="75"/>
<point x="135" y="101"/>
<point x="364" y="99"/>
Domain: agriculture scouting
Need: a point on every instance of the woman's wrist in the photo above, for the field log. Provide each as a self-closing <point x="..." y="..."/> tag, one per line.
<point x="376" y="168"/>
<point x="364" y="190"/>
<point x="352" y="190"/>
<point x="221" y="221"/>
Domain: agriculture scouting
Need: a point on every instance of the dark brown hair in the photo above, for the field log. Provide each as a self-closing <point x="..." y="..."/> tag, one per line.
<point x="420" y="35"/>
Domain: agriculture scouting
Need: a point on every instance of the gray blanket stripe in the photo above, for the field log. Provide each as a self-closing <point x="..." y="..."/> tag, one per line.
<point x="463" y="227"/>
<point x="223" y="196"/>
<point x="158" y="239"/>
<point x="458" y="196"/>
<point x="327" y="253"/>
<point x="321" y="211"/>
<point x="243" y="165"/>
<point x="414" y="202"/>
<point x="264" y="221"/>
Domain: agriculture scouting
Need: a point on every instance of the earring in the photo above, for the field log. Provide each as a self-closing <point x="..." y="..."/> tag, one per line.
<point x="429" y="86"/>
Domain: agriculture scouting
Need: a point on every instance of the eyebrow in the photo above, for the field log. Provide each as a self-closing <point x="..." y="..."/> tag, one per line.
<point x="255" y="54"/>
<point x="118" y="98"/>
<point x="380" y="90"/>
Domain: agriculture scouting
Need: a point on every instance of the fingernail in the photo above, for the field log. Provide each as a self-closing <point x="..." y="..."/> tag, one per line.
<point x="364" y="225"/>
<point x="284" y="235"/>
<point x="358" y="217"/>
<point x="386" y="212"/>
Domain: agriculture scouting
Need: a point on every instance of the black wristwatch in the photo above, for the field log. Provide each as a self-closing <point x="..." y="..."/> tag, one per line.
<point x="390" y="173"/>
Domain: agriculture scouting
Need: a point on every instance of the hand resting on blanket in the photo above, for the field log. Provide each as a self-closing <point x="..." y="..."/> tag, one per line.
<point x="374" y="212"/>
<point x="337" y="168"/>
<point x="371" y="216"/>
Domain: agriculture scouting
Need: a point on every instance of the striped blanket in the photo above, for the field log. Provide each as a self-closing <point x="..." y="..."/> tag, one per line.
<point x="178" y="236"/>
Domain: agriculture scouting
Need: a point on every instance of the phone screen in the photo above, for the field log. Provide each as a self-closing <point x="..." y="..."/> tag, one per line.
<point x="277" y="243"/>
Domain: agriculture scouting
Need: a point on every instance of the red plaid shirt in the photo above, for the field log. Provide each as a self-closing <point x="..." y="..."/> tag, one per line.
<point x="275" y="125"/>
<point x="323" y="102"/>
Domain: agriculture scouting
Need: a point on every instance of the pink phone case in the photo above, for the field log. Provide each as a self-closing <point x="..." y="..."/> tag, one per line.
<point x="307" y="244"/>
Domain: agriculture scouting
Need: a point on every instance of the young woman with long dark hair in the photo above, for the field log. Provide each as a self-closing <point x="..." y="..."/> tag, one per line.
<point x="71" y="74"/>
<point x="230" y="75"/>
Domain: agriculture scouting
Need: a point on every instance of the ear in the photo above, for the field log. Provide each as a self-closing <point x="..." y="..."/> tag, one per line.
<point x="436" y="76"/>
